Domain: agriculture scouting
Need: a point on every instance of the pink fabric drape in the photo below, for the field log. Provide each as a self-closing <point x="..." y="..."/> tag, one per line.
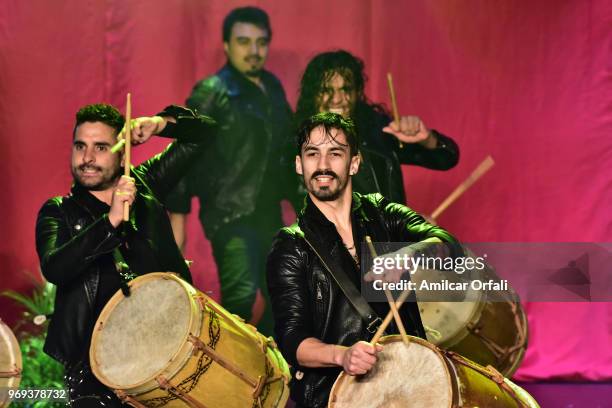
<point x="528" y="82"/>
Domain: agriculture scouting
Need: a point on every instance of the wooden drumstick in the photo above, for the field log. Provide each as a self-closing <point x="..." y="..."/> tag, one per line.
<point x="127" y="137"/>
<point x="400" y="301"/>
<point x="392" y="306"/>
<point x="462" y="188"/>
<point x="396" y="117"/>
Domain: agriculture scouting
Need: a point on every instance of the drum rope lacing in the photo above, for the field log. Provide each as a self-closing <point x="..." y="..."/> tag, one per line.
<point x="500" y="353"/>
<point x="16" y="372"/>
<point x="203" y="364"/>
<point x="489" y="371"/>
<point x="167" y="386"/>
<point x="261" y="384"/>
<point x="126" y="398"/>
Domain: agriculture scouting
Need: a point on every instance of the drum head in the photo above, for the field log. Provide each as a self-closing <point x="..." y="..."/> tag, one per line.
<point x="447" y="318"/>
<point x="10" y="362"/>
<point x="133" y="340"/>
<point x="413" y="375"/>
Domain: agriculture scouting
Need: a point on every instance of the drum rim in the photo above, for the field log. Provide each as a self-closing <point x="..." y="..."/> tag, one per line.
<point x="180" y="357"/>
<point x="394" y="338"/>
<point x="16" y="358"/>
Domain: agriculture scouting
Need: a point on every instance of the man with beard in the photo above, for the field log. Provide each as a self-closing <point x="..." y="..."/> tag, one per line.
<point x="318" y="328"/>
<point x="334" y="82"/>
<point x="241" y="180"/>
<point x="85" y="247"/>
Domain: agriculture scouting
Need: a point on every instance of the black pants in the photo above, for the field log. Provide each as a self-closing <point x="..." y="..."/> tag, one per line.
<point x="86" y="391"/>
<point x="240" y="250"/>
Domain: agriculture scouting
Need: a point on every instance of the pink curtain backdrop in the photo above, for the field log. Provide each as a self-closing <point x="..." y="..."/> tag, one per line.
<point x="529" y="83"/>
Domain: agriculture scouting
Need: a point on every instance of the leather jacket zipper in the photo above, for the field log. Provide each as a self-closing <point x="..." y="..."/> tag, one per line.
<point x="319" y="291"/>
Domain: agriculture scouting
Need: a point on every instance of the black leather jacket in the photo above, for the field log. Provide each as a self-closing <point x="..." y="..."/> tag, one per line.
<point x="249" y="164"/>
<point x="380" y="170"/>
<point x="75" y="244"/>
<point x="307" y="302"/>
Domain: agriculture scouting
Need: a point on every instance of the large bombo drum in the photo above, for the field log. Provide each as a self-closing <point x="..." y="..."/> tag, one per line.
<point x="490" y="329"/>
<point x="420" y="375"/>
<point x="169" y="345"/>
<point x="490" y="333"/>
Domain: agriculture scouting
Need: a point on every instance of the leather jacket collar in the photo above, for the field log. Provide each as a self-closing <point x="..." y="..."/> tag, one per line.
<point x="237" y="83"/>
<point x="84" y="197"/>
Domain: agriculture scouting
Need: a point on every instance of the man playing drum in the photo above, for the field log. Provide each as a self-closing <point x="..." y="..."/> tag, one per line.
<point x="319" y="330"/>
<point x="85" y="247"/>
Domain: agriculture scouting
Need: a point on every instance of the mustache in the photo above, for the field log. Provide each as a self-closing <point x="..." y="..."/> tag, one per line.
<point x="253" y="58"/>
<point x="324" y="173"/>
<point x="84" y="167"/>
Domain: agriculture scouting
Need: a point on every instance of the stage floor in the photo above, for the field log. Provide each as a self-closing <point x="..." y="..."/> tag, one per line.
<point x="571" y="395"/>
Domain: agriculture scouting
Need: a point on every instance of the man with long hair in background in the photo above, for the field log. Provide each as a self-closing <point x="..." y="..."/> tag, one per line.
<point x="334" y="82"/>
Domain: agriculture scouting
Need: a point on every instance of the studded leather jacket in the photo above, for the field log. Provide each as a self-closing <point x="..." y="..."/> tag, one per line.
<point x="76" y="241"/>
<point x="307" y="302"/>
<point x="249" y="166"/>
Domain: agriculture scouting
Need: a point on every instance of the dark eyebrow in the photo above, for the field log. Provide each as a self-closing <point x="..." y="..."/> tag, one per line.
<point x="101" y="144"/>
<point x="243" y="37"/>
<point x="310" y="147"/>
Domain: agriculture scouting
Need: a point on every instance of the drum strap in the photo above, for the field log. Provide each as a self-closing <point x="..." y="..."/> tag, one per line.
<point x="123" y="269"/>
<point x="368" y="315"/>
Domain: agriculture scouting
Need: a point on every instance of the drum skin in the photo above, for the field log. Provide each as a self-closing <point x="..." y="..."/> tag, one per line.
<point x="10" y="362"/>
<point x="219" y="362"/>
<point x="420" y="375"/>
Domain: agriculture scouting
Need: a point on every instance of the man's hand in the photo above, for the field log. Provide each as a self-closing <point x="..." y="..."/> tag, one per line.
<point x="411" y="129"/>
<point x="359" y="358"/>
<point x="145" y="127"/>
<point x="124" y="191"/>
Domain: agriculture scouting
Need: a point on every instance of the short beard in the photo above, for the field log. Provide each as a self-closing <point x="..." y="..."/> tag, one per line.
<point x="327" y="195"/>
<point x="104" y="184"/>
<point x="254" y="73"/>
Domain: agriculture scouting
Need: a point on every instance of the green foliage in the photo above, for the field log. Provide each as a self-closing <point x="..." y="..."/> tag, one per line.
<point x="39" y="303"/>
<point x="39" y="370"/>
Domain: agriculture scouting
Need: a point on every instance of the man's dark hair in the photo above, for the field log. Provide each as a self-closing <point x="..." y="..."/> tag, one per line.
<point x="100" y="112"/>
<point x="251" y="15"/>
<point x="328" y="121"/>
<point x="319" y="70"/>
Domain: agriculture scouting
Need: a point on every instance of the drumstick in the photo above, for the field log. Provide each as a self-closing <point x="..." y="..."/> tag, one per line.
<point x="462" y="188"/>
<point x="400" y="301"/>
<point x="396" y="316"/>
<point x="396" y="117"/>
<point x="127" y="137"/>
